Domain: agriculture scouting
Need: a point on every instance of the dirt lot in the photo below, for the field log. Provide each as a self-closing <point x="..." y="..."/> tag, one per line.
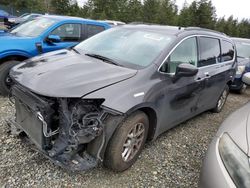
<point x="173" y="160"/>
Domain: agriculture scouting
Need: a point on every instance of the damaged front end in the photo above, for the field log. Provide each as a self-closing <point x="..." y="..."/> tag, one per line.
<point x="70" y="132"/>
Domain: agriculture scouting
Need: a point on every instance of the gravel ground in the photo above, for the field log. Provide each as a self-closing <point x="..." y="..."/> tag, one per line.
<point x="173" y="160"/>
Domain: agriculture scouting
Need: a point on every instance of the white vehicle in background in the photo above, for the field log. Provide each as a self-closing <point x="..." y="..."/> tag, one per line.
<point x="113" y="23"/>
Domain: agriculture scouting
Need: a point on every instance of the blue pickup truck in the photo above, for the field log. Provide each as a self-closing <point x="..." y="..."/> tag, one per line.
<point x="41" y="35"/>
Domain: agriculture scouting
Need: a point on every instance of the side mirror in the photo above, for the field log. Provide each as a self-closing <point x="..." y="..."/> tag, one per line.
<point x="246" y="78"/>
<point x="185" y="70"/>
<point x="54" y="38"/>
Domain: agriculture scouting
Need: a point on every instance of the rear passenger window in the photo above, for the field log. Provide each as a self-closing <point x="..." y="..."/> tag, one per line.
<point x="186" y="52"/>
<point x="227" y="51"/>
<point x="209" y="51"/>
<point x="93" y="30"/>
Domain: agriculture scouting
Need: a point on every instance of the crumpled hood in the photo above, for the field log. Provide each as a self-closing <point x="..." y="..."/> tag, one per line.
<point x="237" y="125"/>
<point x="65" y="73"/>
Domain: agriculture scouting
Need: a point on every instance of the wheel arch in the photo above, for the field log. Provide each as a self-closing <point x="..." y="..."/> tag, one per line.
<point x="13" y="57"/>
<point x="152" y="117"/>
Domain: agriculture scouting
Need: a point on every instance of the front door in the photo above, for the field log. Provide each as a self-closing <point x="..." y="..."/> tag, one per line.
<point x="70" y="35"/>
<point x="181" y="97"/>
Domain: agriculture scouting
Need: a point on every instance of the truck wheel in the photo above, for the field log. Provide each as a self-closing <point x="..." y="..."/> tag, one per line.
<point x="5" y="81"/>
<point x="127" y="142"/>
<point x="222" y="100"/>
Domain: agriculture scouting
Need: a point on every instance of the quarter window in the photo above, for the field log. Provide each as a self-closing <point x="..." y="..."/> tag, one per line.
<point x="209" y="51"/>
<point x="68" y="32"/>
<point x="186" y="52"/>
<point x="227" y="51"/>
<point x="93" y="30"/>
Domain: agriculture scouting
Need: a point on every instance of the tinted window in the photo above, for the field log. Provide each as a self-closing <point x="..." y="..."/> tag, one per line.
<point x="68" y="32"/>
<point x="186" y="52"/>
<point x="227" y="51"/>
<point x="93" y="30"/>
<point x="209" y="51"/>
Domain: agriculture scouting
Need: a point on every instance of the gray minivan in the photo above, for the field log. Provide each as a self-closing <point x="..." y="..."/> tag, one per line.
<point x="101" y="100"/>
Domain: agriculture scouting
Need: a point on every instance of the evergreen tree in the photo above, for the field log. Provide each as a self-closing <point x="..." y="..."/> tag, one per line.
<point x="150" y="11"/>
<point x="167" y="14"/>
<point x="205" y="14"/>
<point x="187" y="15"/>
<point x="134" y="11"/>
<point x="60" y="6"/>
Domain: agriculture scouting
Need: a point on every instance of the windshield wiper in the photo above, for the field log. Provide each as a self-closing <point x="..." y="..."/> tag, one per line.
<point x="75" y="50"/>
<point x="103" y="58"/>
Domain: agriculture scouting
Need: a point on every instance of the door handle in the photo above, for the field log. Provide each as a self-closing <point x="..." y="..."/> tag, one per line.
<point x="200" y="79"/>
<point x="207" y="75"/>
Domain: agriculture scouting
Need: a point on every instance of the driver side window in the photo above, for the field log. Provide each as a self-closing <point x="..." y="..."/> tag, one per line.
<point x="68" y="32"/>
<point x="186" y="52"/>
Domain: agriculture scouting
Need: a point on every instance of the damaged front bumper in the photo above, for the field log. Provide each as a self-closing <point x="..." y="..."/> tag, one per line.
<point x="70" y="132"/>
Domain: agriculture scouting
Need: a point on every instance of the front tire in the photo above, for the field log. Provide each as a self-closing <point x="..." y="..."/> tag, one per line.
<point x="127" y="142"/>
<point x="221" y="101"/>
<point x="5" y="81"/>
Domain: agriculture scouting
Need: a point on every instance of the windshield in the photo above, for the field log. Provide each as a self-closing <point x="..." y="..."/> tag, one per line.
<point x="243" y="49"/>
<point x="27" y="16"/>
<point x="128" y="47"/>
<point x="4" y="13"/>
<point x="33" y="28"/>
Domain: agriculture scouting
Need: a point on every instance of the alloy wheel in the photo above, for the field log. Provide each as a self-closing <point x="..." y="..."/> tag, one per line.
<point x="133" y="142"/>
<point x="222" y="99"/>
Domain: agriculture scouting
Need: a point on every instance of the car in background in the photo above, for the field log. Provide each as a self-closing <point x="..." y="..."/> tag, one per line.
<point x="227" y="162"/>
<point x="5" y="15"/>
<point x="12" y="22"/>
<point x="41" y="35"/>
<point x="113" y="23"/>
<point x="243" y="53"/>
<point x="102" y="99"/>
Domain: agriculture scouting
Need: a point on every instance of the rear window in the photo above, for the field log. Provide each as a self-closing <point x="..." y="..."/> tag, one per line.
<point x="227" y="51"/>
<point x="209" y="51"/>
<point x="93" y="30"/>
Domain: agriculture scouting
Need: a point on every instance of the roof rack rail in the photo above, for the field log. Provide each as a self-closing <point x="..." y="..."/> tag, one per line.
<point x="203" y="29"/>
<point x="142" y="23"/>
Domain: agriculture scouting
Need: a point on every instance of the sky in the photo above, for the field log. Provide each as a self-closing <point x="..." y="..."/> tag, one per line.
<point x="238" y="8"/>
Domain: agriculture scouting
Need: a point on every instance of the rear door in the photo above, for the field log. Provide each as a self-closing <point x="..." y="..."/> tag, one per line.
<point x="215" y="60"/>
<point x="91" y="29"/>
<point x="70" y="34"/>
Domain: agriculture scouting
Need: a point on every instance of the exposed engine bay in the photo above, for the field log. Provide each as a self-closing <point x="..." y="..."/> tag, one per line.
<point x="73" y="133"/>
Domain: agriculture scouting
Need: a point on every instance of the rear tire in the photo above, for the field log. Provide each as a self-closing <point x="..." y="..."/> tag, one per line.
<point x="127" y="142"/>
<point x="5" y="81"/>
<point x="221" y="101"/>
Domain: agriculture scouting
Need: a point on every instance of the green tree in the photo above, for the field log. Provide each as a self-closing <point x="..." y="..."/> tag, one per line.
<point x="167" y="13"/>
<point x="187" y="15"/>
<point x="60" y="6"/>
<point x="134" y="11"/>
<point x="205" y="15"/>
<point x="150" y="10"/>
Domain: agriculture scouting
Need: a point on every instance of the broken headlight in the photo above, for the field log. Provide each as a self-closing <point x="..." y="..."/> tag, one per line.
<point x="235" y="160"/>
<point x="240" y="69"/>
